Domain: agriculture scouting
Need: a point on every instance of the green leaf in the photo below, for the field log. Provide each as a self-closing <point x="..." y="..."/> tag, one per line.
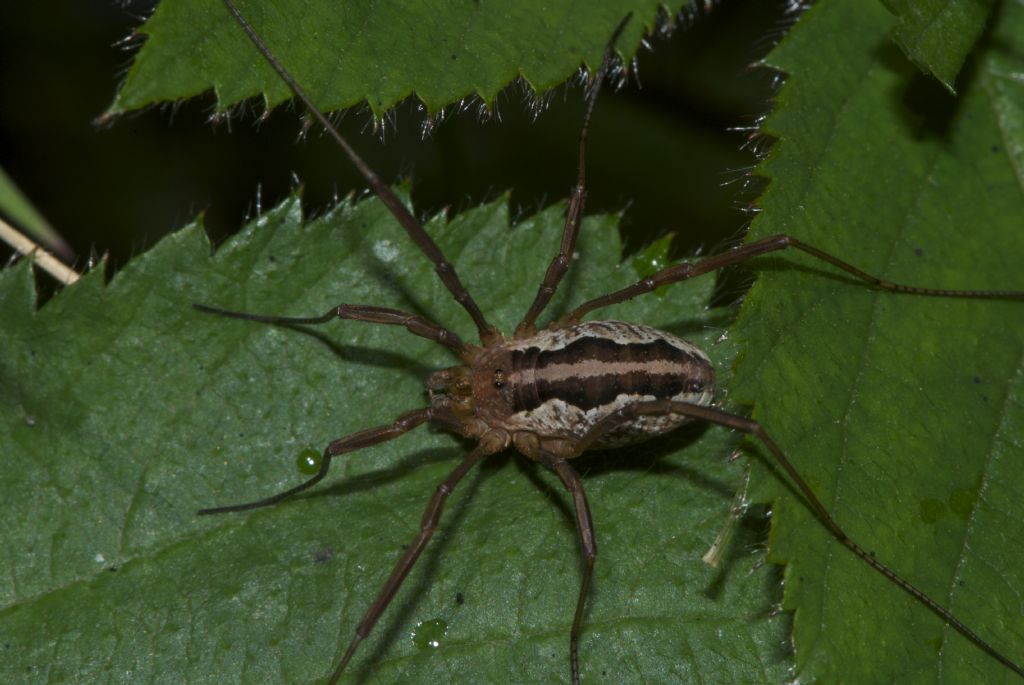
<point x="16" y="207"/>
<point x="903" y="413"/>
<point x="123" y="411"/>
<point x="126" y="411"/>
<point x="442" y="51"/>
<point x="938" y="35"/>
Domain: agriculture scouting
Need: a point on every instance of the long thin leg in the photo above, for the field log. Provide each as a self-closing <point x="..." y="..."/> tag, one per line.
<point x="415" y="324"/>
<point x="413" y="227"/>
<point x="350" y="443"/>
<point x="681" y="272"/>
<point x="427" y="525"/>
<point x="585" y="527"/>
<point x="574" y="213"/>
<point x="751" y="427"/>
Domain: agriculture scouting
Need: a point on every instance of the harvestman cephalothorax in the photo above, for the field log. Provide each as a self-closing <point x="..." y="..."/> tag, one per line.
<point x="575" y="386"/>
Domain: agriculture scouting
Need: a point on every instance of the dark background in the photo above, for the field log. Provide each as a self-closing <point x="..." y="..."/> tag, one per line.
<point x="664" y="152"/>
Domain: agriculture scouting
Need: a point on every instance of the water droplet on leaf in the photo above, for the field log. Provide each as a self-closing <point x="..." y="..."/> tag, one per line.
<point x="309" y="461"/>
<point x="429" y="634"/>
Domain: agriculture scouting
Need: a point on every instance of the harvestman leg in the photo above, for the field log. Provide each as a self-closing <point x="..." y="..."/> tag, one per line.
<point x="415" y="324"/>
<point x="685" y="270"/>
<point x="350" y="443"/>
<point x="751" y="427"/>
<point x="574" y="213"/>
<point x="413" y="227"/>
<point x="365" y="438"/>
<point x="428" y="523"/>
<point x="588" y="544"/>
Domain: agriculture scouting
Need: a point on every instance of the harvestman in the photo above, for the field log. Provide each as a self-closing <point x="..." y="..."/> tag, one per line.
<point x="556" y="393"/>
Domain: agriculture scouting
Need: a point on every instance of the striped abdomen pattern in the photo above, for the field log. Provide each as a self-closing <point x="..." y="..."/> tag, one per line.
<point x="560" y="383"/>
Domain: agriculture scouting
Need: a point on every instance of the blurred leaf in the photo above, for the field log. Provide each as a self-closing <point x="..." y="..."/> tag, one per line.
<point x="19" y="210"/>
<point x="904" y="413"/>
<point x="938" y="35"/>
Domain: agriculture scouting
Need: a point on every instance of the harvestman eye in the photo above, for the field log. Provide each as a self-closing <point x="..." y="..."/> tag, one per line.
<point x="574" y="387"/>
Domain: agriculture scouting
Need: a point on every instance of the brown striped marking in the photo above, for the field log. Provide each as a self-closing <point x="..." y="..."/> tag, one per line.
<point x="592" y="371"/>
